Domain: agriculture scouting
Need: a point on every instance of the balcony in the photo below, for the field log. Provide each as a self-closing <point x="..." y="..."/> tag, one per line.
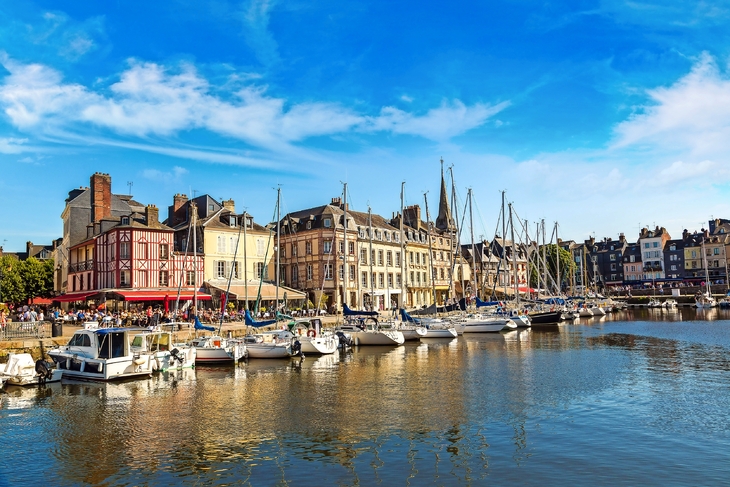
<point x="87" y="265"/>
<point x="650" y="268"/>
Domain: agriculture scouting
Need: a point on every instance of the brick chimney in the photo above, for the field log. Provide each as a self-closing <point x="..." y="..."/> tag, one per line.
<point x="336" y="201"/>
<point x="152" y="215"/>
<point x="412" y="216"/>
<point x="229" y="205"/>
<point x="178" y="201"/>
<point x="101" y="196"/>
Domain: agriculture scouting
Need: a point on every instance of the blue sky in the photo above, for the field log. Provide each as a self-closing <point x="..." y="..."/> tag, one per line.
<point x="604" y="116"/>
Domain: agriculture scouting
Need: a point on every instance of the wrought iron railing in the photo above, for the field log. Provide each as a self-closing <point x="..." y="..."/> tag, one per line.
<point x="26" y="329"/>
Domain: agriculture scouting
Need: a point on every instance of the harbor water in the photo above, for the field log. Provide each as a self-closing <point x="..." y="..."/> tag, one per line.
<point x="640" y="397"/>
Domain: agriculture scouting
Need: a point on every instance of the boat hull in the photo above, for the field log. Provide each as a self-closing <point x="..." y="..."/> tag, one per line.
<point x="488" y="325"/>
<point x="319" y="345"/>
<point x="269" y="350"/>
<point x="546" y="317"/>
<point x="441" y="333"/>
<point x="388" y="337"/>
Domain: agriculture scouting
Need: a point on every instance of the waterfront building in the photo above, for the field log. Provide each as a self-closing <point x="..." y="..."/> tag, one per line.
<point x="694" y="267"/>
<point x="632" y="264"/>
<point x="652" y="243"/>
<point x="84" y="206"/>
<point x="507" y="254"/>
<point x="606" y="257"/>
<point x="674" y="260"/>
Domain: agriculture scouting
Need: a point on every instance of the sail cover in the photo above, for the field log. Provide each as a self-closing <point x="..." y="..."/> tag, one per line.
<point x="200" y="326"/>
<point x="404" y="316"/>
<point x="256" y="324"/>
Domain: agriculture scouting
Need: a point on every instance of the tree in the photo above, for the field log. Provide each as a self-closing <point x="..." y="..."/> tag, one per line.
<point x="11" y="284"/>
<point x="37" y="277"/>
<point x="567" y="266"/>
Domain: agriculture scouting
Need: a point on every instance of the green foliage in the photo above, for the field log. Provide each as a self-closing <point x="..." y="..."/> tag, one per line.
<point x="11" y="285"/>
<point x="567" y="266"/>
<point x="25" y="279"/>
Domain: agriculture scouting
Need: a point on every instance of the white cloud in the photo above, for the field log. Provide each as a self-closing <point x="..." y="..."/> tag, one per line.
<point x="406" y="98"/>
<point x="692" y="115"/>
<point x="149" y="100"/>
<point x="11" y="145"/>
<point x="439" y="124"/>
<point x="174" y="175"/>
<point x="255" y="17"/>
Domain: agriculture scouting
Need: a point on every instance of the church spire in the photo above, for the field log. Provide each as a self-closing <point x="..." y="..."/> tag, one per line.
<point x="444" y="221"/>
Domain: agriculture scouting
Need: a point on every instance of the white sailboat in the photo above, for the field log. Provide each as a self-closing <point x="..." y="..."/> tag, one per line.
<point x="705" y="300"/>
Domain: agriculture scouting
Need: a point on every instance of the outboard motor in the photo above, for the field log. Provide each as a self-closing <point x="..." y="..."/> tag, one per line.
<point x="296" y="347"/>
<point x="343" y="340"/>
<point x="43" y="369"/>
<point x="176" y="355"/>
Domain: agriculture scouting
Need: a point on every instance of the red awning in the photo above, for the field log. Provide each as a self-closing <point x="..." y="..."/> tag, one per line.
<point x="70" y="297"/>
<point x="159" y="296"/>
<point x="41" y="301"/>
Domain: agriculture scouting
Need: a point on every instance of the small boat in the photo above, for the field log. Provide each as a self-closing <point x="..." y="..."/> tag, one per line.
<point x="370" y="333"/>
<point x="546" y="317"/>
<point x="165" y="354"/>
<point x="705" y="300"/>
<point x="102" y="354"/>
<point x="440" y="330"/>
<point x="272" y="344"/>
<point x="215" y="349"/>
<point x="654" y="303"/>
<point x="485" y="324"/>
<point x="669" y="304"/>
<point x="22" y="370"/>
<point x="585" y="312"/>
<point x="411" y="331"/>
<point x="313" y="338"/>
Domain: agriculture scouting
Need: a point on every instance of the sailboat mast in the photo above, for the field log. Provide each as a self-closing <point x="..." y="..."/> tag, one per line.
<point x="504" y="247"/>
<point x="537" y="256"/>
<point x="559" y="278"/>
<point x="471" y="229"/>
<point x="245" y="260"/>
<point x="194" y="209"/>
<point x="456" y="240"/>
<point x="430" y="251"/>
<point x="528" y="245"/>
<point x="278" y="241"/>
<point x="372" y="256"/>
<point x="344" y="244"/>
<point x="402" y="249"/>
<point x="514" y="257"/>
<point x="544" y="258"/>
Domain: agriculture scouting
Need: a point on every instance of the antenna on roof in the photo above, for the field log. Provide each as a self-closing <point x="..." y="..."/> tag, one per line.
<point x="130" y="184"/>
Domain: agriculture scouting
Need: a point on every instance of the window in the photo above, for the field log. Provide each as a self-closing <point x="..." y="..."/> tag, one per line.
<point x="352" y="272"/>
<point x="220" y="269"/>
<point x="655" y="244"/>
<point x="310" y="272"/>
<point x="410" y="257"/>
<point x="397" y="280"/>
<point x="260" y="247"/>
<point x="283" y="251"/>
<point x="716" y="251"/>
<point x="351" y="248"/>
<point x="327" y="223"/>
<point x="327" y="247"/>
<point x="380" y="257"/>
<point x="390" y="280"/>
<point x="211" y="208"/>
<point x="341" y="273"/>
<point x="294" y="249"/>
<point x="674" y="267"/>
<point x="364" y="256"/>
<point x="673" y="247"/>
<point x="342" y="247"/>
<point x="372" y="256"/>
<point x="232" y="221"/>
<point x="164" y="279"/>
<point x="381" y="280"/>
<point x="190" y="278"/>
<point x="260" y="271"/>
<point x="374" y="280"/>
<point x="396" y="237"/>
<point x="397" y="259"/>
<point x="309" y="225"/>
<point x="164" y="252"/>
<point x="389" y="258"/>
<point x="308" y="247"/>
<point x="646" y="245"/>
<point x="613" y="267"/>
<point x="613" y="256"/>
<point x="418" y="258"/>
<point x="221" y="244"/>
<point x="418" y="277"/>
<point x="364" y="279"/>
<point x="294" y="274"/>
<point x="125" y="220"/>
<point x="124" y="250"/>
<point x="694" y="254"/>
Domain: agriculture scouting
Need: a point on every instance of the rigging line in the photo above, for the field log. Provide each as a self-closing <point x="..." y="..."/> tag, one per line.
<point x="182" y="271"/>
<point x="266" y="256"/>
<point x="233" y="267"/>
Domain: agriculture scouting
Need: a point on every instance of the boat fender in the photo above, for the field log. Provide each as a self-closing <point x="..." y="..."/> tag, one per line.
<point x="312" y="333"/>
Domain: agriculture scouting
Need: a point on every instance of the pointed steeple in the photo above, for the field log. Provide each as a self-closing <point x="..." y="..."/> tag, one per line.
<point x="444" y="221"/>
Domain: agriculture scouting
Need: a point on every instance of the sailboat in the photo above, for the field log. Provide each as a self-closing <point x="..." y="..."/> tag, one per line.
<point x="705" y="300"/>
<point x="272" y="343"/>
<point x="210" y="349"/>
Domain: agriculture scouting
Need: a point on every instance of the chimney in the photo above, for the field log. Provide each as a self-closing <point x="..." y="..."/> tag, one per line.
<point x="621" y="237"/>
<point x="685" y="234"/>
<point x="336" y="201"/>
<point x="152" y="215"/>
<point x="101" y="196"/>
<point x="229" y="205"/>
<point x="412" y="216"/>
<point x="178" y="201"/>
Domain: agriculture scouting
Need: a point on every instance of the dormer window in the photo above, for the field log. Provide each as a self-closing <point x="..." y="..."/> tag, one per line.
<point x="232" y="221"/>
<point x="327" y="223"/>
<point x="125" y="220"/>
<point x="309" y="225"/>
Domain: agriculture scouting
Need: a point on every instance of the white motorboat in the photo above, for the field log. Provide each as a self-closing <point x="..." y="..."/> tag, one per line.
<point x="22" y="370"/>
<point x="411" y="331"/>
<point x="440" y="330"/>
<point x="218" y="350"/>
<point x="313" y="338"/>
<point x="669" y="304"/>
<point x="165" y="354"/>
<point x="585" y="312"/>
<point x="372" y="334"/>
<point x="705" y="300"/>
<point x="102" y="354"/>
<point x="272" y="344"/>
<point x="486" y="324"/>
<point x="654" y="303"/>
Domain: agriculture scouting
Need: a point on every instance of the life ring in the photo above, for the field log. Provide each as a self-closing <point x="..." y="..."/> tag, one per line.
<point x="312" y="333"/>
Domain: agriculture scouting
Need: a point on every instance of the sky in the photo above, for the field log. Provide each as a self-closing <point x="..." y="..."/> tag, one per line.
<point x="603" y="116"/>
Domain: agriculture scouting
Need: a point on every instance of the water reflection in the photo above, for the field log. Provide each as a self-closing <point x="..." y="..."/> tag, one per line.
<point x="523" y="406"/>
